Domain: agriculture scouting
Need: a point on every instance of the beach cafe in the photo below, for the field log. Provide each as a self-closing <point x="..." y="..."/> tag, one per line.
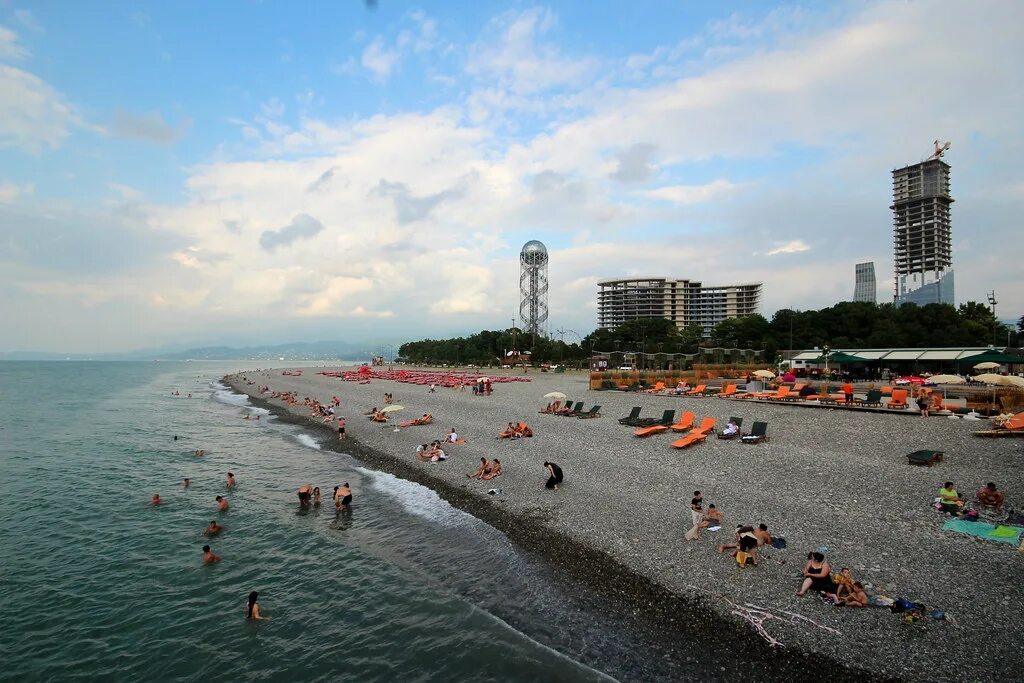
<point x="902" y="361"/>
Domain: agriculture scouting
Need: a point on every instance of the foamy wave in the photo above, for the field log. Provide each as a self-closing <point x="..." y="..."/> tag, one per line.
<point x="225" y="394"/>
<point x="417" y="499"/>
<point x="307" y="440"/>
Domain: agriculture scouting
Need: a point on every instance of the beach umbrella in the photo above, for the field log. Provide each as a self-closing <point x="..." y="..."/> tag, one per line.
<point x="391" y="409"/>
<point x="999" y="380"/>
<point x="554" y="394"/>
<point x="763" y="373"/>
<point x="986" y="366"/>
<point x="947" y="379"/>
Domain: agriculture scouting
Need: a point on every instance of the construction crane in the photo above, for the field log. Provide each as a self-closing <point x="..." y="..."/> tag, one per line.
<point x="939" y="150"/>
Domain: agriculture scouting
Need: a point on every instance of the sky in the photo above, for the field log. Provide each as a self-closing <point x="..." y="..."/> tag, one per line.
<point x="260" y="172"/>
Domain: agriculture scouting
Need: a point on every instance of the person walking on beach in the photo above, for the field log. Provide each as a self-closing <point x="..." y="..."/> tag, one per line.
<point x="554" y="475"/>
<point x="231" y="480"/>
<point x="342" y="497"/>
<point x="252" y="609"/>
<point x="208" y="556"/>
<point x="341" y="428"/>
<point x="222" y="503"/>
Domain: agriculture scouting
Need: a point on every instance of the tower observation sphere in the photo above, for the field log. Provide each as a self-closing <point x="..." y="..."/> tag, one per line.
<point x="533" y="287"/>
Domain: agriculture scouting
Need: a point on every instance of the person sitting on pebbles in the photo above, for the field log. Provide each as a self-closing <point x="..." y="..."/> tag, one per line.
<point x="493" y="472"/>
<point x="990" y="497"/>
<point x="855" y="598"/>
<point x="479" y="473"/>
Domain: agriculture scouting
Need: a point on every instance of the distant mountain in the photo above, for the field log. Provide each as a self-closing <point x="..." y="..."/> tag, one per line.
<point x="324" y="350"/>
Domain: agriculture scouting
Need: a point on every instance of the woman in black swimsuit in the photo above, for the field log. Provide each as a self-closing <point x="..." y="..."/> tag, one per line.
<point x="555" y="475"/>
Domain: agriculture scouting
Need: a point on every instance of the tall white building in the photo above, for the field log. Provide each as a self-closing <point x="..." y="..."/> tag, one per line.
<point x="684" y="302"/>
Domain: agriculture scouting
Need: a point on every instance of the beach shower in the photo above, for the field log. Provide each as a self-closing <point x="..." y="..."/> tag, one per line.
<point x="533" y="287"/>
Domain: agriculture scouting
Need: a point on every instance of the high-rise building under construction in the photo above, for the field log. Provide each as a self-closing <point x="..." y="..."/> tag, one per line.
<point x="922" y="232"/>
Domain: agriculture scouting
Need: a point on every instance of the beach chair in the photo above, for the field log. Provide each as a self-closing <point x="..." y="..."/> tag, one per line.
<point x="595" y="411"/>
<point x="574" y="410"/>
<point x="634" y="415"/>
<point x="874" y="398"/>
<point x="666" y="419"/>
<point x="697" y="390"/>
<point x="758" y="433"/>
<point x="555" y="407"/>
<point x="697" y="435"/>
<point x="924" y="458"/>
<point x="658" y="428"/>
<point x="898" y="400"/>
<point x="727" y="390"/>
<point x="685" y="422"/>
<point x="781" y="394"/>
<point x="658" y="387"/>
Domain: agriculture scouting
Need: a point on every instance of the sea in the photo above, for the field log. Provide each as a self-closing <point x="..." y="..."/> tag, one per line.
<point x="98" y="584"/>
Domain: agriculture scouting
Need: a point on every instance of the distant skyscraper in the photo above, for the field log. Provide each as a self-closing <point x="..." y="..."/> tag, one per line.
<point x="864" y="288"/>
<point x="922" y="232"/>
<point x="533" y="287"/>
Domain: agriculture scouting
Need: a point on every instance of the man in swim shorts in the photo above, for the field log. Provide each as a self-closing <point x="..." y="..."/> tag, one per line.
<point x="341" y="428"/>
<point x="305" y="491"/>
<point x="342" y="496"/>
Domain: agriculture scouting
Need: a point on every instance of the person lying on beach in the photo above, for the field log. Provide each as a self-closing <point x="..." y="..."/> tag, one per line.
<point x="763" y="537"/>
<point x="555" y="475"/>
<point x="231" y="480"/>
<point x="817" y="575"/>
<point x="855" y="598"/>
<point x="316" y="497"/>
<point x="304" y="492"/>
<point x="509" y="432"/>
<point x="379" y="416"/>
<point x="155" y="500"/>
<point x="990" y="497"/>
<point x="342" y="496"/>
<point x="493" y="472"/>
<point x="731" y="429"/>
<point x="213" y="529"/>
<point x="208" y="556"/>
<point x="479" y="473"/>
<point x="682" y="387"/>
<point x="222" y="503"/>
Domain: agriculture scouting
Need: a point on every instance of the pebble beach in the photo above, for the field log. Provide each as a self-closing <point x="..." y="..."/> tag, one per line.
<point x="830" y="479"/>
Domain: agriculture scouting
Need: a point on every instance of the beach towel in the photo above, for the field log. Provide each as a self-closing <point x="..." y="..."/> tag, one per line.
<point x="990" y="532"/>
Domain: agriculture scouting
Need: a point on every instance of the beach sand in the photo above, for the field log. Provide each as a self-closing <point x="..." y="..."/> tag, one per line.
<point x="830" y="478"/>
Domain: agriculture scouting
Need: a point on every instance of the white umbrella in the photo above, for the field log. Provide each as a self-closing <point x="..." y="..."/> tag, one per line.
<point x="763" y="373"/>
<point x="999" y="380"/>
<point x="554" y="394"/>
<point x="391" y="409"/>
<point x="947" y="379"/>
<point x="986" y="366"/>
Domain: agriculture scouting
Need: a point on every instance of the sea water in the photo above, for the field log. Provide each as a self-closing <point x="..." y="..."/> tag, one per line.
<point x="96" y="583"/>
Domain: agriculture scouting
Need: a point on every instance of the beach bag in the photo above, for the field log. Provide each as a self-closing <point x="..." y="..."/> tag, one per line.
<point x="779" y="543"/>
<point x="741" y="558"/>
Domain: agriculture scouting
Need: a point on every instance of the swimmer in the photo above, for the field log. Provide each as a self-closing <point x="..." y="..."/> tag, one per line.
<point x="316" y="496"/>
<point x="231" y="480"/>
<point x="222" y="503"/>
<point x="200" y="453"/>
<point x="342" y="496"/>
<point x="252" y="609"/>
<point x="186" y="482"/>
<point x="304" y="492"/>
<point x="247" y="417"/>
<point x="208" y="556"/>
<point x="213" y="529"/>
<point x="156" y="499"/>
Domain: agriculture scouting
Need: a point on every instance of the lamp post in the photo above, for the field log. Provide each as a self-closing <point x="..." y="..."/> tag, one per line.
<point x="995" y="321"/>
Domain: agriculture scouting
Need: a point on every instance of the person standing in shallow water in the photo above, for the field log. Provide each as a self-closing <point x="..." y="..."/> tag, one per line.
<point x="342" y="497"/>
<point x="252" y="609"/>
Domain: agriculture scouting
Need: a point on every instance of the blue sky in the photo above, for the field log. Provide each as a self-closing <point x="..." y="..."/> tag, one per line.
<point x="255" y="171"/>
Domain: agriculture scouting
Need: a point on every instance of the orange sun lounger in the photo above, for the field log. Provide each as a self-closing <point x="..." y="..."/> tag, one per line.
<point x="727" y="390"/>
<point x="685" y="422"/>
<point x="1015" y="422"/>
<point x="697" y="435"/>
<point x="782" y="393"/>
<point x="650" y="431"/>
<point x="899" y="399"/>
<point x="699" y="389"/>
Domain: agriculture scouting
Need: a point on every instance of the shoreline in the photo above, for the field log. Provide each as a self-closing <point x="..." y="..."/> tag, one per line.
<point x="687" y="617"/>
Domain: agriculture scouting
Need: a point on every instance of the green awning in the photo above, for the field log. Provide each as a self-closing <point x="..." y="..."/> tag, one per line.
<point x="991" y="357"/>
<point x="841" y="358"/>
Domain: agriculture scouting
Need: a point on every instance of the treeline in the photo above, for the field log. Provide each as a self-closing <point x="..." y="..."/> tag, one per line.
<point x="845" y="325"/>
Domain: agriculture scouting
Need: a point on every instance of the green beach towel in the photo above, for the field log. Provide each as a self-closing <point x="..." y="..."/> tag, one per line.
<point x="1001" y="534"/>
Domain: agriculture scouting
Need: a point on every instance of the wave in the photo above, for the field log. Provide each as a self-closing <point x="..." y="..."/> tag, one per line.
<point x="417" y="499"/>
<point x="307" y="440"/>
<point x="225" y="394"/>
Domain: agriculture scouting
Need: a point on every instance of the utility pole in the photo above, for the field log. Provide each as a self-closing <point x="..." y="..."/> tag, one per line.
<point x="514" y="337"/>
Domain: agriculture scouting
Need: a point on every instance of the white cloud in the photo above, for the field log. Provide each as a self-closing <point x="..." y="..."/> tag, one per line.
<point x="10" y="48"/>
<point x="378" y="59"/>
<point x="33" y="116"/>
<point x="792" y="247"/>
<point x="11" y="192"/>
<point x="693" y="194"/>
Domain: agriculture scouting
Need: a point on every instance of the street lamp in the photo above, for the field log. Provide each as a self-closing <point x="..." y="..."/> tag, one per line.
<point x="995" y="321"/>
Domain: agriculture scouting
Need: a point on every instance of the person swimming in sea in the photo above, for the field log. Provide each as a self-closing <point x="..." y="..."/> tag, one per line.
<point x="213" y="529"/>
<point x="252" y="608"/>
<point x="208" y="556"/>
<point x="317" y="499"/>
<point x="186" y="482"/>
<point x="342" y="496"/>
<point x="231" y="480"/>
<point x="155" y="500"/>
<point x="222" y="503"/>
